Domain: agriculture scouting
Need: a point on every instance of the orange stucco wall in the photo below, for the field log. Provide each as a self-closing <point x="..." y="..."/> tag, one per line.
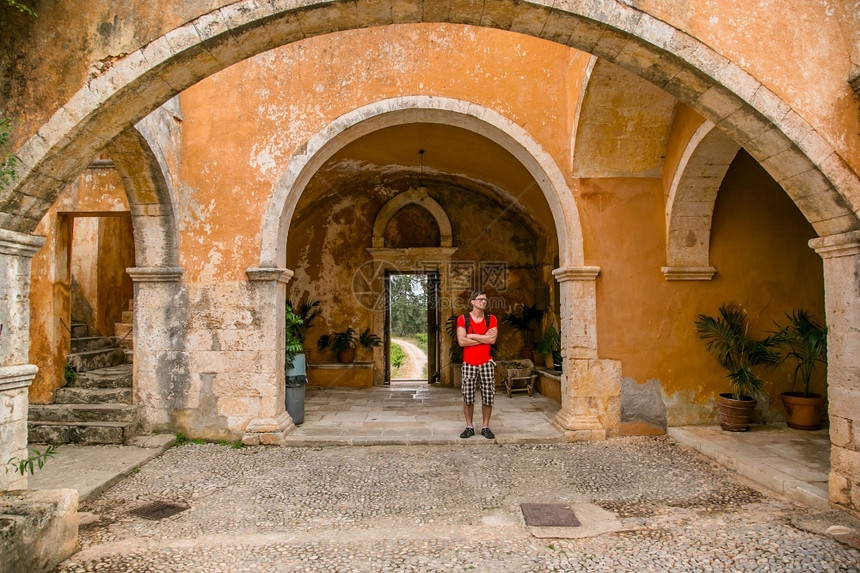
<point x="758" y="246"/>
<point x="239" y="134"/>
<point x="98" y="272"/>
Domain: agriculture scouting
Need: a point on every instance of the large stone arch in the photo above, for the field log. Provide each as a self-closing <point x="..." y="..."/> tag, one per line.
<point x="804" y="163"/>
<point x="587" y="408"/>
<point x="149" y="198"/>
<point x="690" y="204"/>
<point x="420" y="109"/>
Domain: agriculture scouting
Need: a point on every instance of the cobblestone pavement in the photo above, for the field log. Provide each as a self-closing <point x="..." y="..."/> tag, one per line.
<point x="449" y="508"/>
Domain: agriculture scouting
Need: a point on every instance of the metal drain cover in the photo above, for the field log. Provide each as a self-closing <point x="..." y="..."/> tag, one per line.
<point x="158" y="510"/>
<point x="549" y="515"/>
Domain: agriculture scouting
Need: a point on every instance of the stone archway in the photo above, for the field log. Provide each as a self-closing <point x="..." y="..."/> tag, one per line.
<point x="795" y="154"/>
<point x="591" y="391"/>
<point x="690" y="205"/>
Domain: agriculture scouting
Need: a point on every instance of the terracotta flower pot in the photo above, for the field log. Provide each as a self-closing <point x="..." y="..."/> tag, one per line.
<point x="802" y="412"/>
<point x="346" y="356"/>
<point x="548" y="360"/>
<point x="735" y="415"/>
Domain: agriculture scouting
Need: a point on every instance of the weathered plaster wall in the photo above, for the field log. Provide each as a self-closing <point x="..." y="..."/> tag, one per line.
<point x="788" y="46"/>
<point x="96" y="191"/>
<point x="762" y="260"/>
<point x="48" y="58"/>
<point x="239" y="135"/>
<point x="684" y="125"/>
<point x="328" y="252"/>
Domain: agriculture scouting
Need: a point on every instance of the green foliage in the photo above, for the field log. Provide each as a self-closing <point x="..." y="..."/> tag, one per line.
<point x="806" y="344"/>
<point x="726" y="339"/>
<point x="307" y="312"/>
<point x="408" y="298"/>
<point x="369" y="341"/>
<point x="237" y="445"/>
<point x="523" y="317"/>
<point x="397" y="355"/>
<point x="551" y="342"/>
<point x="293" y="341"/>
<point x="32" y="463"/>
<point x="21" y="7"/>
<point x="339" y="340"/>
<point x="456" y="351"/>
<point x="7" y="161"/>
<point x="180" y="439"/>
<point x="421" y="337"/>
<point x="70" y="374"/>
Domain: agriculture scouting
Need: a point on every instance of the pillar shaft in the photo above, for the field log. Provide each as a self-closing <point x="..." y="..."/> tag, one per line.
<point x="590" y="386"/>
<point x="16" y="252"/>
<point x="841" y="254"/>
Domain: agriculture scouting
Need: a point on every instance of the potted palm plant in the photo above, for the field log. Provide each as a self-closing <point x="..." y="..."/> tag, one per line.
<point x="727" y="340"/>
<point x="548" y="346"/>
<point x="805" y="341"/>
<point x="523" y="317"/>
<point x="368" y="340"/>
<point x="342" y="343"/>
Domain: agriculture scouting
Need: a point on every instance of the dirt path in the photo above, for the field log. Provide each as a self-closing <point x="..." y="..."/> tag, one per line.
<point x="416" y="361"/>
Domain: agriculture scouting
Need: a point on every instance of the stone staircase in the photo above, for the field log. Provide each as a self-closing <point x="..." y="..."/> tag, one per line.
<point x="96" y="408"/>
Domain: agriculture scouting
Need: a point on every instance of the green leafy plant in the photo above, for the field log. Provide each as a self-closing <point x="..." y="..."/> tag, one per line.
<point x="307" y="311"/>
<point x="70" y="374"/>
<point x="397" y="355"/>
<point x="805" y="341"/>
<point x="30" y="464"/>
<point x="21" y="7"/>
<point x="551" y="342"/>
<point x="456" y="351"/>
<point x="367" y="340"/>
<point x="523" y="317"/>
<point x="726" y="339"/>
<point x="339" y="340"/>
<point x="293" y="341"/>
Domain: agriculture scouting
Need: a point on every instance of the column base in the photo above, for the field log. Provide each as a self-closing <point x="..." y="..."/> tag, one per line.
<point x="268" y="431"/>
<point x="579" y="427"/>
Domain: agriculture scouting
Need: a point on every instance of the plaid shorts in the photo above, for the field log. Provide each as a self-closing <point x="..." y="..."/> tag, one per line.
<point x="483" y="374"/>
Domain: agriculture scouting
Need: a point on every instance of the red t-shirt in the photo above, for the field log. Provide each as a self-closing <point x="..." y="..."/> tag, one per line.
<point x="480" y="354"/>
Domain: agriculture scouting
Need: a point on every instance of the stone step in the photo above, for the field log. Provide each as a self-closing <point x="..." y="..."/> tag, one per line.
<point x="125" y="335"/>
<point x="119" y="376"/>
<point x="92" y="343"/>
<point x="95" y="359"/>
<point x="72" y="395"/>
<point x="79" y="433"/>
<point x="75" y="413"/>
<point x="80" y="330"/>
<point x="127" y="316"/>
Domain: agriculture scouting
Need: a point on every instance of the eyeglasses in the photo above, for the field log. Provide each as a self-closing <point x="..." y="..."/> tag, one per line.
<point x="480" y="300"/>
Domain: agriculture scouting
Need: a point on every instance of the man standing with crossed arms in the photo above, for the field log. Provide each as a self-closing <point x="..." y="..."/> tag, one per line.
<point x="478" y="366"/>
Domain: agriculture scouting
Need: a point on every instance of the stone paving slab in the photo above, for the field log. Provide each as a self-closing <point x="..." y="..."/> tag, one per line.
<point x="92" y="469"/>
<point x="790" y="462"/>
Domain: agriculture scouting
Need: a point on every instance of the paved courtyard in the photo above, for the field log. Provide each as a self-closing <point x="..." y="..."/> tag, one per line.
<point x="645" y="504"/>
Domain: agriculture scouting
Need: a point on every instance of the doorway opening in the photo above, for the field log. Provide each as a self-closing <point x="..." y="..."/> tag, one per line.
<point x="411" y="327"/>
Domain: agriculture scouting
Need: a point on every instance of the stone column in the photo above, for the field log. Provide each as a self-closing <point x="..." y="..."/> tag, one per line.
<point x="16" y="375"/>
<point x="272" y="423"/>
<point x="590" y="386"/>
<point x="160" y="359"/>
<point x="841" y="254"/>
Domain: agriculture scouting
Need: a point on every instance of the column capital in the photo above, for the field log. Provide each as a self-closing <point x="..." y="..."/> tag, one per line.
<point x="20" y="244"/>
<point x="20" y="376"/>
<point x="260" y="274"/>
<point x="565" y="274"/>
<point x="155" y="274"/>
<point x="842" y="245"/>
<point x="689" y="273"/>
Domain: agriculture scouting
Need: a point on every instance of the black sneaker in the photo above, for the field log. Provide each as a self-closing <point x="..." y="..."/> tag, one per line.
<point x="487" y="433"/>
<point x="468" y="433"/>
